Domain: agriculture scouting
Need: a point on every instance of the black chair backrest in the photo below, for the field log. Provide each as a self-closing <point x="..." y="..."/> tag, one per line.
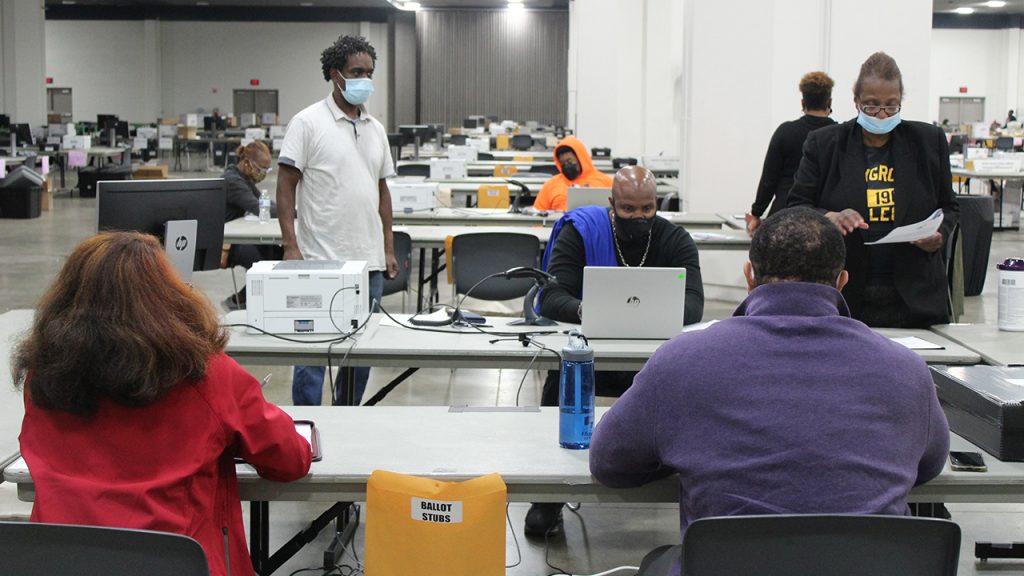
<point x="522" y="142"/>
<point x="476" y="255"/>
<point x="458" y="140"/>
<point x="956" y="143"/>
<point x="601" y="152"/>
<point x="31" y="548"/>
<point x="620" y="162"/>
<point x="484" y="156"/>
<point x="551" y="169"/>
<point x="414" y="170"/>
<point x="403" y="253"/>
<point x="838" y="545"/>
<point x="1004" y="143"/>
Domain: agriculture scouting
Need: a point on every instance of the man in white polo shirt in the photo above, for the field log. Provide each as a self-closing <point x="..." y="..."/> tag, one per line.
<point x="333" y="164"/>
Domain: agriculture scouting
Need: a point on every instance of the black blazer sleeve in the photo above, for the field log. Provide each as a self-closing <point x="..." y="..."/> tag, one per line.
<point x="807" y="183"/>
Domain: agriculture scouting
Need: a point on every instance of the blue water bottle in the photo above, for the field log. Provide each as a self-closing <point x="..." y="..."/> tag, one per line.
<point x="576" y="394"/>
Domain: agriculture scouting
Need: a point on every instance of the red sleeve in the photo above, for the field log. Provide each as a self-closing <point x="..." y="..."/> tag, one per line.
<point x="263" y="434"/>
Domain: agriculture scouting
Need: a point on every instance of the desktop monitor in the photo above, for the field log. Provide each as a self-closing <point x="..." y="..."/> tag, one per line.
<point x="106" y="121"/>
<point x="121" y="129"/>
<point x="24" y="134"/>
<point x="5" y="122"/>
<point x="147" y="205"/>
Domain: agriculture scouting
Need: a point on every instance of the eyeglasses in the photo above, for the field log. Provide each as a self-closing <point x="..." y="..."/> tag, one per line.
<point x="872" y="110"/>
<point x="259" y="169"/>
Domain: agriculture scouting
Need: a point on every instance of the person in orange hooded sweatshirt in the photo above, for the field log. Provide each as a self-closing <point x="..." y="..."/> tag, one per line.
<point x="577" y="169"/>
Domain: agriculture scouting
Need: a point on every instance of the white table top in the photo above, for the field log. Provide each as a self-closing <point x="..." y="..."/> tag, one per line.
<point x="383" y="344"/>
<point x="242" y="231"/>
<point x="11" y="161"/>
<point x="994" y="174"/>
<point x="995" y="346"/>
<point x="521" y="446"/>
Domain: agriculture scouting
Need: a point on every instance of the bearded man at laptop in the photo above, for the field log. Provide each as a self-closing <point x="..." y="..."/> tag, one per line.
<point x="629" y="234"/>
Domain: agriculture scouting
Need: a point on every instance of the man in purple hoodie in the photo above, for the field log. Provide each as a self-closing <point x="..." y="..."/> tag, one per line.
<point x="788" y="407"/>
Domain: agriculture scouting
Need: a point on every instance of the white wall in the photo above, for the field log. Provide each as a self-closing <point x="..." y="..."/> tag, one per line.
<point x="146" y="69"/>
<point x="22" y="61"/>
<point x="625" y="74"/>
<point x="108" y="65"/>
<point x="987" y="62"/>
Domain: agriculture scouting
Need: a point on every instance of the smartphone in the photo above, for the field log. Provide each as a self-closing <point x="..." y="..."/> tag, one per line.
<point x="967" y="462"/>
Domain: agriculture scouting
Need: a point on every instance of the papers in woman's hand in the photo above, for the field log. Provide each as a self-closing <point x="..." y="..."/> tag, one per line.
<point x="912" y="232"/>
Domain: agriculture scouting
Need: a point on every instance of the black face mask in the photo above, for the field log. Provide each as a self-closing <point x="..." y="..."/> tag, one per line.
<point x="571" y="171"/>
<point x="630" y="229"/>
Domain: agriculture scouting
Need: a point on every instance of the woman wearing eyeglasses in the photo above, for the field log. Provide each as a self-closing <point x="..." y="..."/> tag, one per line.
<point x="875" y="173"/>
<point x="243" y="197"/>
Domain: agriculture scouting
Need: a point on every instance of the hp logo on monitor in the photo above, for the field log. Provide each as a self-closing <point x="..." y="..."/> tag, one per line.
<point x="633" y="301"/>
<point x="181" y="243"/>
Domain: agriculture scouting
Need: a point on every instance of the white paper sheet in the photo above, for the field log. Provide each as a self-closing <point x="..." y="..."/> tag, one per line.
<point x="915" y="343"/>
<point x="912" y="232"/>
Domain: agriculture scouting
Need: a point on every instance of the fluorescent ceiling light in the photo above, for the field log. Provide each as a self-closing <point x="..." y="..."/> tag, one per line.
<point x="68" y="2"/>
<point x="964" y="10"/>
<point x="411" y="6"/>
<point x="306" y="4"/>
<point x="515" y="6"/>
<point x="995" y="3"/>
<point x="202" y="3"/>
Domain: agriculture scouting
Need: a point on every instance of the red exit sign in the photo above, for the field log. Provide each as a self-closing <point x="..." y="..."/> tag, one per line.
<point x="963" y="89"/>
<point x="256" y="82"/>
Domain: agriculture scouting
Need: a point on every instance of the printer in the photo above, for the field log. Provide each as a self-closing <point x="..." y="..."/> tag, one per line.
<point x="307" y="296"/>
<point x="409" y="197"/>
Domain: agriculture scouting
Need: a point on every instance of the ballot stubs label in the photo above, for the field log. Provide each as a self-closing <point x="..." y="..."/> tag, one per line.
<point x="436" y="511"/>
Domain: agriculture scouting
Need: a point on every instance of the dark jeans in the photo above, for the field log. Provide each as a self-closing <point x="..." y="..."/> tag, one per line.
<point x="308" y="381"/>
<point x="883" y="307"/>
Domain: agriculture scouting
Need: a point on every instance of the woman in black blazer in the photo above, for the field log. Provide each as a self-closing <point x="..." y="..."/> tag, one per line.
<point x="875" y="173"/>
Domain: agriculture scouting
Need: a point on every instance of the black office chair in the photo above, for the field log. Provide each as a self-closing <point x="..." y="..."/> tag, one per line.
<point x="478" y="254"/>
<point x="601" y="152"/>
<point x="522" y="142"/>
<point x="414" y="170"/>
<point x="458" y="140"/>
<point x="403" y="253"/>
<point x="804" y="545"/>
<point x="1004" y="143"/>
<point x="625" y="161"/>
<point x="396" y="140"/>
<point x="484" y="156"/>
<point x="957" y="143"/>
<point x="31" y="548"/>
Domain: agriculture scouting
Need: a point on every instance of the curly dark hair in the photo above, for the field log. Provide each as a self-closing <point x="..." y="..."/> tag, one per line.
<point x="335" y="56"/>
<point x="797" y="245"/>
<point x="879" y="65"/>
<point x="816" y="88"/>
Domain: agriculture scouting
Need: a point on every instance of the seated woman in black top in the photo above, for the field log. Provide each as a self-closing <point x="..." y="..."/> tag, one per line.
<point x="244" y="198"/>
<point x="786" y="147"/>
<point x="640" y="238"/>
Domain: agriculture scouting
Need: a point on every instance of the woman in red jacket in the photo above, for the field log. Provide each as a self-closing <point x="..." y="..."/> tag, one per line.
<point x="134" y="414"/>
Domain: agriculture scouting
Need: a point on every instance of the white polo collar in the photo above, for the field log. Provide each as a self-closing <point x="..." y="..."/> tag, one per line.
<point x="339" y="114"/>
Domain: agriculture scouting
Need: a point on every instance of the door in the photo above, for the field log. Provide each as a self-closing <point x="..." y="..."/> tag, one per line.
<point x="972" y="110"/>
<point x="245" y="102"/>
<point x="949" y="109"/>
<point x="58" y="105"/>
<point x="266" y="102"/>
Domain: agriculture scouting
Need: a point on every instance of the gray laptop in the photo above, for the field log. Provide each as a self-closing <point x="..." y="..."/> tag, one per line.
<point x="633" y="303"/>
<point x="584" y="196"/>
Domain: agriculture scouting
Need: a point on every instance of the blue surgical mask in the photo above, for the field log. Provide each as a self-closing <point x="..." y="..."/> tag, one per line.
<point x="357" y="90"/>
<point x="878" y="126"/>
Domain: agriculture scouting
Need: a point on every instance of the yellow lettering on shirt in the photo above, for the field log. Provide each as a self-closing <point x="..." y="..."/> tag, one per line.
<point x="882" y="205"/>
<point x="881" y="173"/>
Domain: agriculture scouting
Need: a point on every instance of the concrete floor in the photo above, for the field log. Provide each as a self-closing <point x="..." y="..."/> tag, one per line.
<point x="596" y="538"/>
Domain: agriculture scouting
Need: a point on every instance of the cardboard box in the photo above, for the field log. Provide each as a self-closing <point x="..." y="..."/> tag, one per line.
<point x="47" y="196"/>
<point x="190" y="120"/>
<point x="151" y="172"/>
<point x="269" y="118"/>
<point x="165" y="131"/>
<point x="188" y="132"/>
<point x="169" y="121"/>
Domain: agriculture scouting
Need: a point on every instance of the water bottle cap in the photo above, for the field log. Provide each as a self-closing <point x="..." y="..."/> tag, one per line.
<point x="577" y="349"/>
<point x="1012" y="264"/>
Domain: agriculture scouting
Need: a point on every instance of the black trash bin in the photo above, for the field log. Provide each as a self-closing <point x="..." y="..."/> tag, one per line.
<point x="977" y="216"/>
<point x="21" y="194"/>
